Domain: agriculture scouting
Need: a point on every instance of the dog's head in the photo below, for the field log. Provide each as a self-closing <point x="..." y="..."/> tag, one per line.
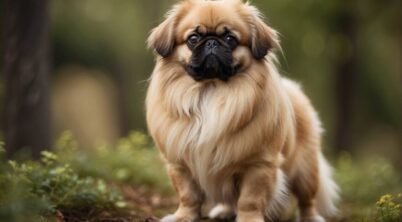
<point x="213" y="39"/>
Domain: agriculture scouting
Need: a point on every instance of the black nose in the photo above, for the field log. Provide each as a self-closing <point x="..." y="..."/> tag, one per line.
<point x="212" y="43"/>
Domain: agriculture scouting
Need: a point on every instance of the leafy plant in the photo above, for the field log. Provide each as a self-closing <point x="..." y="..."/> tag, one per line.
<point x="132" y="161"/>
<point x="38" y="190"/>
<point x="389" y="208"/>
<point x="73" y="182"/>
<point x="362" y="182"/>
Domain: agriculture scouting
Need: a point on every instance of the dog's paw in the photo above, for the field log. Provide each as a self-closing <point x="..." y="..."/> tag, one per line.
<point x="174" y="218"/>
<point x="221" y="212"/>
<point x="250" y="219"/>
<point x="316" y="218"/>
<point x="169" y="218"/>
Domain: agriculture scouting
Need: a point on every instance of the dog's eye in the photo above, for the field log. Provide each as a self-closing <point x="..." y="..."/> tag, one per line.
<point x="231" y="41"/>
<point x="193" y="39"/>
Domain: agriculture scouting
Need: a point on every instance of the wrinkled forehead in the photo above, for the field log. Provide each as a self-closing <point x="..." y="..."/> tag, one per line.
<point x="213" y="17"/>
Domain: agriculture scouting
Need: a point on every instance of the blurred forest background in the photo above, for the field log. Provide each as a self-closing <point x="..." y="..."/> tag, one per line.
<point x="89" y="72"/>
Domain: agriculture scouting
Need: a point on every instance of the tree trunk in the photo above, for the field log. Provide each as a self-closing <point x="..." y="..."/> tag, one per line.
<point x="26" y="69"/>
<point x="400" y="72"/>
<point x="345" y="79"/>
<point x="120" y="77"/>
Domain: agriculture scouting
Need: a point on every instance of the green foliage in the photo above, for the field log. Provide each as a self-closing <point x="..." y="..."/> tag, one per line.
<point x="131" y="161"/>
<point x="389" y="208"/>
<point x="362" y="182"/>
<point x="48" y="186"/>
<point x="16" y="203"/>
<point x="75" y="181"/>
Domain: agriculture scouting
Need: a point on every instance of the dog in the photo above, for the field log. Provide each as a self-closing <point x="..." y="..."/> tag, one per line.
<point x="234" y="133"/>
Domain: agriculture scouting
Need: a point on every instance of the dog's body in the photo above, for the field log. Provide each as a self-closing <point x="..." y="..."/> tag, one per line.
<point x="244" y="137"/>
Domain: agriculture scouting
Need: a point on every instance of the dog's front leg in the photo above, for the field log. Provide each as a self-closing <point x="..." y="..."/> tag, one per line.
<point x="256" y="190"/>
<point x="191" y="197"/>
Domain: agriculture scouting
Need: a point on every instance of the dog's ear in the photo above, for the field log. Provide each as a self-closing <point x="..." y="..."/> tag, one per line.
<point x="162" y="37"/>
<point x="263" y="38"/>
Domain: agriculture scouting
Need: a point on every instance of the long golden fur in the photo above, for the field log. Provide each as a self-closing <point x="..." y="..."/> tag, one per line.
<point x="244" y="144"/>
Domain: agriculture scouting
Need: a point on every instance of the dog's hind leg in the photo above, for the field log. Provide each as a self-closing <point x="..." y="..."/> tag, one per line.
<point x="305" y="184"/>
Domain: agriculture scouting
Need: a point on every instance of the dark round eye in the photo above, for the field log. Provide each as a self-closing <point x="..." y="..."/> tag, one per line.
<point x="193" y="39"/>
<point x="231" y="41"/>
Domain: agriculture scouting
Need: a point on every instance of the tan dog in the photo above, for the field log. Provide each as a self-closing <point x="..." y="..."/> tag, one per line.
<point x="233" y="132"/>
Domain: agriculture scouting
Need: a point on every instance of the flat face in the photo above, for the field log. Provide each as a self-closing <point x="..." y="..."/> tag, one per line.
<point x="213" y="39"/>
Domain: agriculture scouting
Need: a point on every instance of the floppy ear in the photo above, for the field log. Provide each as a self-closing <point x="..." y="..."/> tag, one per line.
<point x="263" y="38"/>
<point x="162" y="38"/>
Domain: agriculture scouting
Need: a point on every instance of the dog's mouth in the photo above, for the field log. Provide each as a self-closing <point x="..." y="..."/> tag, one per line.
<point x="210" y="68"/>
<point x="214" y="62"/>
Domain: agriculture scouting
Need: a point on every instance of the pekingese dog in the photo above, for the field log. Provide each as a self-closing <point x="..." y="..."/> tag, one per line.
<point x="235" y="134"/>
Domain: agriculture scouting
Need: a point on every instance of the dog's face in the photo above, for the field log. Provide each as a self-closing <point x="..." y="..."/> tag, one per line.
<point x="213" y="39"/>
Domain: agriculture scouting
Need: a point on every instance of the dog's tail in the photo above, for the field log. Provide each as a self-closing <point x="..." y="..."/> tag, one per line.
<point x="328" y="192"/>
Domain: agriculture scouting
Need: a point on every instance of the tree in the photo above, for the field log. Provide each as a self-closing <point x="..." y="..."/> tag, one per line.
<point x="26" y="70"/>
<point x="346" y="74"/>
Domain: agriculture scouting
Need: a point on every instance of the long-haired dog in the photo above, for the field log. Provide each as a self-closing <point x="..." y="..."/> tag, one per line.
<point x="233" y="132"/>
